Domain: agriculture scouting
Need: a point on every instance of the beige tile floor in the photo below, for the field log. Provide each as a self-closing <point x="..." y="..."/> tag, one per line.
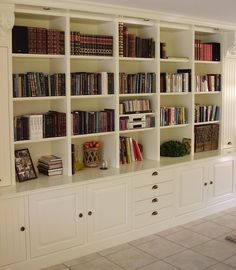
<point x="197" y="245"/>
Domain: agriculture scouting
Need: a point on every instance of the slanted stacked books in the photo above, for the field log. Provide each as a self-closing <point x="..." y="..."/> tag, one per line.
<point x="50" y="165"/>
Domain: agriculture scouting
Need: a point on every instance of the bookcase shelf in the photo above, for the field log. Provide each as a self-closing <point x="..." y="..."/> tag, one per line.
<point x="138" y="59"/>
<point x="40" y="141"/>
<point x="208" y="93"/>
<point x="175" y="93"/>
<point x="46" y="98"/>
<point x="92" y="135"/>
<point x="179" y="39"/>
<point x="207" y="62"/>
<point x="206" y="123"/>
<point x="92" y="96"/>
<point x="175" y="60"/>
<point x="43" y="56"/>
<point x="174" y="126"/>
<point x="136" y="130"/>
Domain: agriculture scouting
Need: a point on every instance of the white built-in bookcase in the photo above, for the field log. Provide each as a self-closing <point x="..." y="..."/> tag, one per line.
<point x="179" y="39"/>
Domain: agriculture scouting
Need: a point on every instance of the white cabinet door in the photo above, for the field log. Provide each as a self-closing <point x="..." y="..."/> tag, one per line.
<point x="191" y="187"/>
<point x="12" y="231"/>
<point x="55" y="221"/>
<point x="5" y="152"/>
<point x="109" y="208"/>
<point x="221" y="181"/>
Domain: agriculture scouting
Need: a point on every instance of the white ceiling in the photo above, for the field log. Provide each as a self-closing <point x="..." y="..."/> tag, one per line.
<point x="220" y="10"/>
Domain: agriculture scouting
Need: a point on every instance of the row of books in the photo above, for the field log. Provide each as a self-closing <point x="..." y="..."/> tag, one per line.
<point x="148" y="123"/>
<point x="208" y="83"/>
<point x="134" y="106"/>
<point x="84" y="83"/>
<point x="92" y="122"/>
<point x="37" y="40"/>
<point x="209" y="51"/>
<point x="130" y="150"/>
<point x="88" y="44"/>
<point x="38" y="126"/>
<point x="175" y="82"/>
<point x="206" y="113"/>
<point x="206" y="137"/>
<point x="173" y="116"/>
<point x="50" y="165"/>
<point x="38" y="84"/>
<point x="137" y="83"/>
<point x="132" y="46"/>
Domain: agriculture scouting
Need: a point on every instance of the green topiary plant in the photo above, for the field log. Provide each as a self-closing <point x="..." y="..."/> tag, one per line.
<point x="173" y="149"/>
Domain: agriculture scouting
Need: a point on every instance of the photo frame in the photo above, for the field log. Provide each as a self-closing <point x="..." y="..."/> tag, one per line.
<point x="24" y="165"/>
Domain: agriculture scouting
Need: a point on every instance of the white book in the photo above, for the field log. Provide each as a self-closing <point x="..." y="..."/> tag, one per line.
<point x="104" y="83"/>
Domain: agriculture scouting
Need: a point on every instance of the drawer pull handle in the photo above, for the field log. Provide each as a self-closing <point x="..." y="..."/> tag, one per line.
<point x="211" y="182"/>
<point x="90" y="213"/>
<point x="80" y="215"/>
<point x="155" y="187"/>
<point x="155" y="173"/>
<point x="205" y="184"/>
<point x="22" y="229"/>
<point x="154" y="213"/>
<point x="154" y="200"/>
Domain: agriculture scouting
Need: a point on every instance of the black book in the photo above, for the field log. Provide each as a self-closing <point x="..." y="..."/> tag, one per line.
<point x="20" y="39"/>
<point x="72" y="159"/>
<point x="215" y="51"/>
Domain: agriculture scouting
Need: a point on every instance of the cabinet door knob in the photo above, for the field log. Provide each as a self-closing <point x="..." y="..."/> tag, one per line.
<point x="229" y="143"/>
<point x="155" y="173"/>
<point x="154" y="200"/>
<point x="205" y="184"/>
<point x="155" y="187"/>
<point x="90" y="213"/>
<point x="0" y="179"/>
<point x="211" y="182"/>
<point x="80" y="215"/>
<point x="22" y="229"/>
<point x="154" y="213"/>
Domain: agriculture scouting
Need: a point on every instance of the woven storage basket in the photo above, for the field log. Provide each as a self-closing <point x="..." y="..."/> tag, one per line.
<point x="92" y="157"/>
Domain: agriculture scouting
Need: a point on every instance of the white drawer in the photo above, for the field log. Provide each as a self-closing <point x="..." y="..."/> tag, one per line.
<point x="154" y="176"/>
<point x="153" y="190"/>
<point x="152" y="217"/>
<point x="153" y="203"/>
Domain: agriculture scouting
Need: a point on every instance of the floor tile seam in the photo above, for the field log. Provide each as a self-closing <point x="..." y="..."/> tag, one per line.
<point x="69" y="267"/>
<point x="163" y="236"/>
<point x="219" y="261"/>
<point x="208" y="267"/>
<point x="142" y="242"/>
<point x="154" y="257"/>
<point x="159" y="261"/>
<point x="177" y="243"/>
<point x="228" y="259"/>
<point x="211" y="236"/>
<point x="114" y="262"/>
<point x="130" y="246"/>
<point x="147" y="264"/>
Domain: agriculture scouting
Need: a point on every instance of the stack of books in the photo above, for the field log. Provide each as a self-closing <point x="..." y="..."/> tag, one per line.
<point x="50" y="165"/>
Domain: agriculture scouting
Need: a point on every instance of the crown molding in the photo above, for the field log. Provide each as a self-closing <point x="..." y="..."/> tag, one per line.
<point x="119" y="11"/>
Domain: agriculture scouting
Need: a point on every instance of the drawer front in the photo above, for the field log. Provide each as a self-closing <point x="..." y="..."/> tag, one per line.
<point x="151" y="217"/>
<point x="153" y="203"/>
<point x="154" y="176"/>
<point x="156" y="189"/>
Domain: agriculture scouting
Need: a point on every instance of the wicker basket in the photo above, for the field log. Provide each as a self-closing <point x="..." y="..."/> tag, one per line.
<point x="92" y="157"/>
